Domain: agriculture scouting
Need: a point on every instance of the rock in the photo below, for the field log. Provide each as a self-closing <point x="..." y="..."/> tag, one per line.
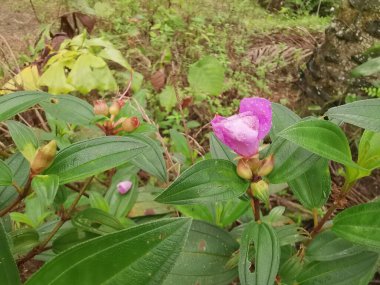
<point x="366" y="5"/>
<point x="353" y="31"/>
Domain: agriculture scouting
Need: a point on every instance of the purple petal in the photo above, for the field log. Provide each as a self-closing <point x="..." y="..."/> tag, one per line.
<point x="239" y="132"/>
<point x="124" y="187"/>
<point x="262" y="109"/>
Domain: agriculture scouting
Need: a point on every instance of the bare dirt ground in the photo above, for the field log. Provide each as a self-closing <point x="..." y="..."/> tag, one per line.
<point x="18" y="27"/>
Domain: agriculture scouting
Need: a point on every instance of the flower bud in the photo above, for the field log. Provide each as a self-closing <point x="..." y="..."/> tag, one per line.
<point x="260" y="190"/>
<point x="267" y="166"/>
<point x="115" y="107"/>
<point x="130" y="124"/>
<point x="100" y="107"/>
<point x="243" y="169"/>
<point x="44" y="157"/>
<point x="124" y="187"/>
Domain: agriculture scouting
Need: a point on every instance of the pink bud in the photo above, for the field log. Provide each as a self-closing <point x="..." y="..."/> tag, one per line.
<point x="100" y="107"/>
<point x="124" y="187"/>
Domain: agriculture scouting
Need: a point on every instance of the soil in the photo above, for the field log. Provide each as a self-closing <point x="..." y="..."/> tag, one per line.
<point x="18" y="27"/>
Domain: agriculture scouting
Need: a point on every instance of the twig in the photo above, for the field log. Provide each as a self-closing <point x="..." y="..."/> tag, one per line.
<point x="43" y="124"/>
<point x="11" y="52"/>
<point x="64" y="217"/>
<point x="19" y="198"/>
<point x="34" y="11"/>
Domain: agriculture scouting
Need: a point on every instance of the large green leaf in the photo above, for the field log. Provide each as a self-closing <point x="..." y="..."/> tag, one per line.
<point x="312" y="188"/>
<point x="207" y="181"/>
<point x="86" y="158"/>
<point x="363" y="113"/>
<point x="5" y="174"/>
<point x="8" y="270"/>
<point x="360" y="224"/>
<point x="152" y="159"/>
<point x="24" y="138"/>
<point x="282" y="118"/>
<point x="69" y="109"/>
<point x="140" y="255"/>
<point x="321" y="137"/>
<point x="267" y="255"/>
<point x="203" y="259"/>
<point x="368" y="68"/>
<point x="220" y="151"/>
<point x="352" y="270"/>
<point x="14" y="103"/>
<point x="328" y="246"/>
<point x="20" y="171"/>
<point x="207" y="75"/>
<point x="290" y="160"/>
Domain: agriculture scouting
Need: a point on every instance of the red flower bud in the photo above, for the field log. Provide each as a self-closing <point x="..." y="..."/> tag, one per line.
<point x="100" y="107"/>
<point x="130" y="124"/>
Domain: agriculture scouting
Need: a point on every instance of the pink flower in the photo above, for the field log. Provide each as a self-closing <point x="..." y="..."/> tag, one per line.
<point x="124" y="187"/>
<point x="243" y="132"/>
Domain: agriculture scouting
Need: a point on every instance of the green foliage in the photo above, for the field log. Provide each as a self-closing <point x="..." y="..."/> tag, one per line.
<point x="207" y="181"/>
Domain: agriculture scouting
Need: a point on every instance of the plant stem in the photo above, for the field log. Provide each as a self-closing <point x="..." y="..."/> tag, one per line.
<point x="315" y="217"/>
<point x="64" y="217"/>
<point x="325" y="218"/>
<point x="22" y="194"/>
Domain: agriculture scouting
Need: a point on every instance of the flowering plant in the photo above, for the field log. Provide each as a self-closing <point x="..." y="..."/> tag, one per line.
<point x="116" y="207"/>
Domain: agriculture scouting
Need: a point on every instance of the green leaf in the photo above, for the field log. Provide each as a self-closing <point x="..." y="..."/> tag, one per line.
<point x="207" y="75"/>
<point x="221" y="151"/>
<point x="54" y="78"/>
<point x="179" y="144"/>
<point x="46" y="187"/>
<point x="23" y="240"/>
<point x="143" y="255"/>
<point x="152" y="159"/>
<point x="86" y="158"/>
<point x="8" y="270"/>
<point x="352" y="270"/>
<point x="282" y="118"/>
<point x="24" y="138"/>
<point x="202" y="261"/>
<point x="96" y="221"/>
<point x="327" y="246"/>
<point x="71" y="237"/>
<point x="364" y="114"/>
<point x="290" y="159"/>
<point x="312" y="188"/>
<point x="359" y="224"/>
<point x="20" y="171"/>
<point x="369" y="156"/>
<point x="368" y="68"/>
<point x="69" y="109"/>
<point x="98" y="201"/>
<point x="321" y="137"/>
<point x="267" y="255"/>
<point x="114" y="55"/>
<point x="14" y="103"/>
<point x="120" y="205"/>
<point x="207" y="181"/>
<point x="5" y="174"/>
<point x="168" y="98"/>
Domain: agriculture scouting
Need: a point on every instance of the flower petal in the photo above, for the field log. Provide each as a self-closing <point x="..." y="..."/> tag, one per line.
<point x="239" y="132"/>
<point x="124" y="187"/>
<point x="262" y="109"/>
